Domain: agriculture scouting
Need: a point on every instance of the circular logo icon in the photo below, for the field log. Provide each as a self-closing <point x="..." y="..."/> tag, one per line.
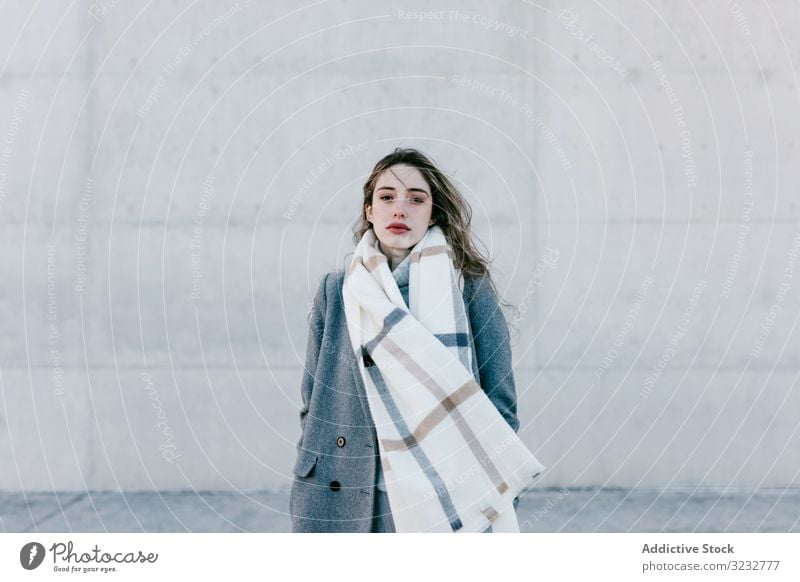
<point x="31" y="555"/>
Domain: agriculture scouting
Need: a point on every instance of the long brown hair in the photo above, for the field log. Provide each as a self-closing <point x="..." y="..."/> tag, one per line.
<point x="451" y="212"/>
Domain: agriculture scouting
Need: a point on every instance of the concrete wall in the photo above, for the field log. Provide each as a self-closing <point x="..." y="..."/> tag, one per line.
<point x="176" y="177"/>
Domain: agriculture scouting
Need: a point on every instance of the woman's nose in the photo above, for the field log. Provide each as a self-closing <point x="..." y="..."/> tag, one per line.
<point x="400" y="208"/>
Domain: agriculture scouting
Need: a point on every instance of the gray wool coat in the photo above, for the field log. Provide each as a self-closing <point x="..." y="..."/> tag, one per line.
<point x="337" y="456"/>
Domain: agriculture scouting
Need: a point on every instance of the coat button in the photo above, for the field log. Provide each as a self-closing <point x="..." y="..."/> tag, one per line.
<point x="340" y="442"/>
<point x="335" y="486"/>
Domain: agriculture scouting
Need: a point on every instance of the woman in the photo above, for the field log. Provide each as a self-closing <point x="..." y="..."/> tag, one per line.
<point x="409" y="407"/>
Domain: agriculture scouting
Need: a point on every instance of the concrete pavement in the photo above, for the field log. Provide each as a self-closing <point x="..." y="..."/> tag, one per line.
<point x="544" y="510"/>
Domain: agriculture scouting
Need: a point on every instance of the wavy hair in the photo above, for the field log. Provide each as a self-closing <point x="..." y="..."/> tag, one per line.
<point x="451" y="212"/>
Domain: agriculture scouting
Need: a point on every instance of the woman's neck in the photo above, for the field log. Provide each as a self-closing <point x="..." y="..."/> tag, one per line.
<point x="394" y="255"/>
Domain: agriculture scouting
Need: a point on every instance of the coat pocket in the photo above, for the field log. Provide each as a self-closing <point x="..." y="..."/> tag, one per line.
<point x="305" y="463"/>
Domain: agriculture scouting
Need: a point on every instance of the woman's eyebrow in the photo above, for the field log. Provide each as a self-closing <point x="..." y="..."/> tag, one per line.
<point x="410" y="189"/>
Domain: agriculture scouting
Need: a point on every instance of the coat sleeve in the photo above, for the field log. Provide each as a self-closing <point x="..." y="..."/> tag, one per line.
<point x="316" y="326"/>
<point x="493" y="350"/>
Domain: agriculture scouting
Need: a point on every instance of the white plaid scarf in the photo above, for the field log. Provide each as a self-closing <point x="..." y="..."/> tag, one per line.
<point x="451" y="462"/>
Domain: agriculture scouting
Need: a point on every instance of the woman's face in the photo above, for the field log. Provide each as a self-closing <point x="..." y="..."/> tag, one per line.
<point x="401" y="210"/>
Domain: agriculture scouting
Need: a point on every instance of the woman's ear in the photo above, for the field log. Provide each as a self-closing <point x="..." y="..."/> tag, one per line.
<point x="368" y="212"/>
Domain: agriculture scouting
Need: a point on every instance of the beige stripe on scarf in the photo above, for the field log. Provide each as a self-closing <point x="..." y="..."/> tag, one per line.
<point x="472" y="440"/>
<point x="429" y="252"/>
<point x="446" y="405"/>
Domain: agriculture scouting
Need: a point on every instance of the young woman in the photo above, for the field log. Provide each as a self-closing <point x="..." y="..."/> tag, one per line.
<point x="409" y="407"/>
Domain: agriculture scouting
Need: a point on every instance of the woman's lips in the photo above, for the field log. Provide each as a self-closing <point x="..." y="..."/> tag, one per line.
<point x="398" y="229"/>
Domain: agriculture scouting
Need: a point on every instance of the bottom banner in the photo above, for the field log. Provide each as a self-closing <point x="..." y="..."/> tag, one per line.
<point x="355" y="557"/>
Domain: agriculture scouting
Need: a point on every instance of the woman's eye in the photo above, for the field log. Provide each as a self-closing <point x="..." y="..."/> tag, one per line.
<point x="386" y="197"/>
<point x="417" y="200"/>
